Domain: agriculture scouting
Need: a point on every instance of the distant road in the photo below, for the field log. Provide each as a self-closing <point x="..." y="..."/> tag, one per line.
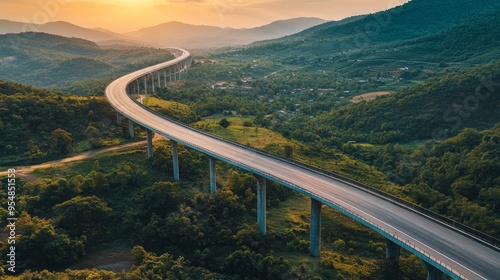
<point x="421" y="235"/>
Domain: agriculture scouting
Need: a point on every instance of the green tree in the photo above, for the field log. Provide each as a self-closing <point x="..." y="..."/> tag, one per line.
<point x="224" y="123"/>
<point x="44" y="246"/>
<point x="61" y="142"/>
<point x="161" y="197"/>
<point x="491" y="196"/>
<point x="93" y="136"/>
<point x="288" y="151"/>
<point x="84" y="216"/>
<point x="243" y="263"/>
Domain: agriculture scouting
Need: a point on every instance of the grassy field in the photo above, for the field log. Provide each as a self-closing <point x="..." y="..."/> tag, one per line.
<point x="173" y="109"/>
<point x="368" y="96"/>
<point x="154" y="102"/>
<point x="253" y="136"/>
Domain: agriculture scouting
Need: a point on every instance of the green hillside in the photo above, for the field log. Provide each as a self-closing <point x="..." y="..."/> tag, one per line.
<point x="45" y="60"/>
<point x="415" y="19"/>
<point x="435" y="109"/>
<point x="418" y="18"/>
<point x="473" y="42"/>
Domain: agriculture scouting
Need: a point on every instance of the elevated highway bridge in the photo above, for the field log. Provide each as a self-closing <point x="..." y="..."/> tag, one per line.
<point x="443" y="245"/>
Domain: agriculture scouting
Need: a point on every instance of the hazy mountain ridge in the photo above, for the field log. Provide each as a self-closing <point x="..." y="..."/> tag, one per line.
<point x="61" y="28"/>
<point x="48" y="60"/>
<point x="187" y="35"/>
<point x="170" y="33"/>
<point x="304" y="33"/>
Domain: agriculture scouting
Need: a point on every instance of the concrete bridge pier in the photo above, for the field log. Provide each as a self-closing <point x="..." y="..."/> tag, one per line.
<point x="145" y="85"/>
<point x="149" y="139"/>
<point x="131" y="128"/>
<point x="153" y="82"/>
<point x="393" y="251"/>
<point x="315" y="244"/>
<point x="165" y="77"/>
<point x="261" y="204"/>
<point x="213" y="175"/>
<point x="170" y="73"/>
<point x="118" y="118"/>
<point x="432" y="272"/>
<point x="138" y="89"/>
<point x="159" y="79"/>
<point x="175" y="159"/>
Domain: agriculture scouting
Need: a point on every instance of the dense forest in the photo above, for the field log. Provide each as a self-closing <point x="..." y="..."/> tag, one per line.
<point x="39" y="125"/>
<point x="178" y="230"/>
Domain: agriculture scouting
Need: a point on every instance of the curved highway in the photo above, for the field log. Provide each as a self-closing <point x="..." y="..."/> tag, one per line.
<point x="455" y="254"/>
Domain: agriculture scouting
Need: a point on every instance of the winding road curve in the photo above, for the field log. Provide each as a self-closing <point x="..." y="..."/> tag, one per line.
<point x="450" y="251"/>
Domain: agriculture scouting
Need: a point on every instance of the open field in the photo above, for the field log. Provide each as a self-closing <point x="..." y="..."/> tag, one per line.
<point x="368" y="96"/>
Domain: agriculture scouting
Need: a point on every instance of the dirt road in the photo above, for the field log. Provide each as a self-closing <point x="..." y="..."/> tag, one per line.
<point x="24" y="171"/>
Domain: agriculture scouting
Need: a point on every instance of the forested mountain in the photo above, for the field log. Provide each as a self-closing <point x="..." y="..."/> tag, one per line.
<point x="418" y="18"/>
<point x="47" y="60"/>
<point x="477" y="40"/>
<point x="414" y="19"/>
<point x="435" y="109"/>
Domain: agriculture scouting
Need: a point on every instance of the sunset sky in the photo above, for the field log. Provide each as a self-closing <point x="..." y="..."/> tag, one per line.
<point x="130" y="15"/>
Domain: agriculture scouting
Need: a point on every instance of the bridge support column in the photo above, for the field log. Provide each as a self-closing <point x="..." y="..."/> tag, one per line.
<point x="118" y="118"/>
<point x="149" y="140"/>
<point x="175" y="159"/>
<point x="213" y="175"/>
<point x="261" y="204"/>
<point x="153" y="82"/>
<point x="432" y="272"/>
<point x="138" y="89"/>
<point x="170" y="73"/>
<point x="393" y="251"/>
<point x="145" y="85"/>
<point x="131" y="128"/>
<point x="159" y="79"/>
<point x="165" y="77"/>
<point x="315" y="228"/>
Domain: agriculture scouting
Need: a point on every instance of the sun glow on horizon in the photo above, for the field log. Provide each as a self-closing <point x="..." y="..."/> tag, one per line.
<point x="130" y="15"/>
